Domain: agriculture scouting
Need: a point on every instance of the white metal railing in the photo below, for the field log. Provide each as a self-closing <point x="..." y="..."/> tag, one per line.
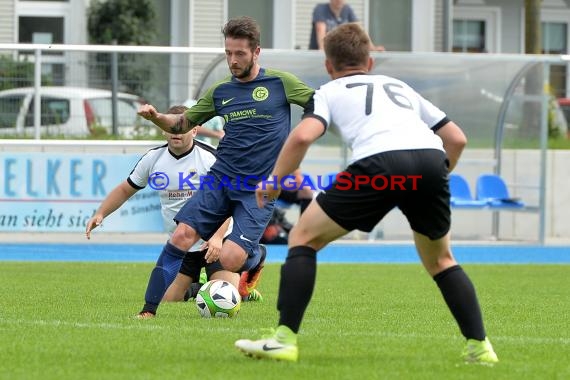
<point x="182" y="78"/>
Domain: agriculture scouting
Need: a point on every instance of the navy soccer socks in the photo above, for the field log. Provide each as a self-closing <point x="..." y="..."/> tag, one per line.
<point x="167" y="266"/>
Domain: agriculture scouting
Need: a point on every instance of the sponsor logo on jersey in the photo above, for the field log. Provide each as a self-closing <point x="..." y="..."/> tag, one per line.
<point x="226" y="101"/>
<point x="174" y="195"/>
<point x="260" y="93"/>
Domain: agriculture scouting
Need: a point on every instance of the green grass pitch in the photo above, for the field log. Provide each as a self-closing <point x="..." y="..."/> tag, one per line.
<point x="366" y="321"/>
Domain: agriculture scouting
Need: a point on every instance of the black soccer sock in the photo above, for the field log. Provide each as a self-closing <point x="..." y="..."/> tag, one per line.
<point x="298" y="275"/>
<point x="459" y="294"/>
<point x="167" y="266"/>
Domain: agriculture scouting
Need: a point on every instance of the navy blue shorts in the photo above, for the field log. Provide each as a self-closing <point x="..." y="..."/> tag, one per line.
<point x="209" y="208"/>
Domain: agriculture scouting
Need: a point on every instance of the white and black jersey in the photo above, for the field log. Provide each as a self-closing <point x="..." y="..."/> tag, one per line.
<point x="377" y="113"/>
<point x="176" y="178"/>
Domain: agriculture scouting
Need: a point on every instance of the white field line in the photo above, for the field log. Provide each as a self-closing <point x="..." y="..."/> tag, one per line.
<point x="145" y="326"/>
<point x="134" y="324"/>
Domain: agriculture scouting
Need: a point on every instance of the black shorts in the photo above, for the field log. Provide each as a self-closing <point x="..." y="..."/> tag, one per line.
<point x="415" y="181"/>
<point x="289" y="196"/>
<point x="193" y="263"/>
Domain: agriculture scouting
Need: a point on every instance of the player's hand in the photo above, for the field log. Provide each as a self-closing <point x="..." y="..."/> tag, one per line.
<point x="266" y="191"/>
<point x="148" y="112"/>
<point x="214" y="246"/>
<point x="94" y="222"/>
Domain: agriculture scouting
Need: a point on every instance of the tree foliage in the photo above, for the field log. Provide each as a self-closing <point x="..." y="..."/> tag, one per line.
<point x="129" y="22"/>
<point x="126" y="22"/>
<point x="15" y="74"/>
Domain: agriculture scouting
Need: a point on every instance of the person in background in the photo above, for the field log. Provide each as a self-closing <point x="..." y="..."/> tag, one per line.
<point x="393" y="131"/>
<point x="326" y="17"/>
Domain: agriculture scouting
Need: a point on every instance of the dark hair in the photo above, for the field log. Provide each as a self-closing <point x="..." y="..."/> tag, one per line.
<point x="243" y="27"/>
<point x="347" y="46"/>
<point x="177" y="109"/>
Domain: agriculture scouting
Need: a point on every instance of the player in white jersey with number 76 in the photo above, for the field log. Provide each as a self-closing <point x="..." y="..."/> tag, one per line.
<point x="397" y="135"/>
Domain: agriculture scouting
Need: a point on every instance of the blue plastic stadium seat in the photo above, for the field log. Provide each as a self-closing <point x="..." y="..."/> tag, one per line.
<point x="492" y="189"/>
<point x="461" y="194"/>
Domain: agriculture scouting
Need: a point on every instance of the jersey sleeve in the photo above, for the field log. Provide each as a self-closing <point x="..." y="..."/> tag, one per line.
<point x="210" y="159"/>
<point x="204" y="109"/>
<point x="320" y="109"/>
<point x="138" y="178"/>
<point x="431" y="114"/>
<point x="296" y="90"/>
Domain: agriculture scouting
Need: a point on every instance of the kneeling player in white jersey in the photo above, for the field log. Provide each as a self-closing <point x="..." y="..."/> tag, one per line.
<point x="181" y="155"/>
<point x="403" y="150"/>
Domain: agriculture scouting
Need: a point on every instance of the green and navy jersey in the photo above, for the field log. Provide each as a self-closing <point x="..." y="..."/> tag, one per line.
<point x="257" y="118"/>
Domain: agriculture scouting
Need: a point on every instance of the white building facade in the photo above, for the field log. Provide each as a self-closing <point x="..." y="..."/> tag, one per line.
<point x="490" y="26"/>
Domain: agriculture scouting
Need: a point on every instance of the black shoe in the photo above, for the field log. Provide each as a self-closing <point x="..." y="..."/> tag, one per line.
<point x="193" y="291"/>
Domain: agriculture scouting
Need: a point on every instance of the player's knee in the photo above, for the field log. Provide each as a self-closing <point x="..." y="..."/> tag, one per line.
<point x="232" y="260"/>
<point x="439" y="264"/>
<point x="183" y="237"/>
<point x="300" y="237"/>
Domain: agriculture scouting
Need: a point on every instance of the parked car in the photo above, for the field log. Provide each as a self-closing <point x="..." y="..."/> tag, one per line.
<point x="70" y="111"/>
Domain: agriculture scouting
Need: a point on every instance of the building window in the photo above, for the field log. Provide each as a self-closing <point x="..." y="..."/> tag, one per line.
<point x="554" y="37"/>
<point x="469" y="36"/>
<point x="44" y="30"/>
<point x="40" y="30"/>
<point x="389" y="24"/>
<point x="554" y="42"/>
<point x="476" y="29"/>
<point x="261" y="11"/>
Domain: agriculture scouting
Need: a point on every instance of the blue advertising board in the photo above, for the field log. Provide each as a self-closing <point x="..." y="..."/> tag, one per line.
<point x="60" y="192"/>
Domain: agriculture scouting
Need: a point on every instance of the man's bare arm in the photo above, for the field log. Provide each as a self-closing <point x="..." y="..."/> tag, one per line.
<point x="454" y="141"/>
<point x="171" y="123"/>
